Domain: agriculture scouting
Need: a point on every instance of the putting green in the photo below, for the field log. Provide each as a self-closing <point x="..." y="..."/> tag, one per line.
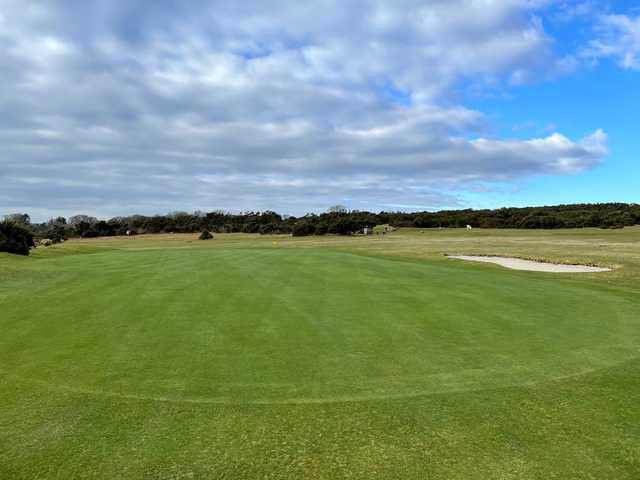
<point x="300" y="325"/>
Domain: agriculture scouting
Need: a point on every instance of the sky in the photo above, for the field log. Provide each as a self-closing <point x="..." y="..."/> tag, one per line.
<point x="113" y="107"/>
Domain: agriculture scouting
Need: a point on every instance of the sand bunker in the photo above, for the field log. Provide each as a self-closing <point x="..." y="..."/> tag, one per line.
<point x="519" y="264"/>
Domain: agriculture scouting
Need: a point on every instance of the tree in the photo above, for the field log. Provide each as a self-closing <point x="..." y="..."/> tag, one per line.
<point x="321" y="228"/>
<point x="104" y="229"/>
<point x="57" y="234"/>
<point x="85" y="230"/>
<point x="268" y="228"/>
<point x="77" y="219"/>
<point x="302" y="229"/>
<point x="19" y="218"/>
<point x="344" y="226"/>
<point x="337" y="209"/>
<point x="15" y="238"/>
<point x="340" y="221"/>
<point x="53" y="222"/>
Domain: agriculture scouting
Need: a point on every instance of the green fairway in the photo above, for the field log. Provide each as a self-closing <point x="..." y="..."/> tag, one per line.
<point x="362" y="357"/>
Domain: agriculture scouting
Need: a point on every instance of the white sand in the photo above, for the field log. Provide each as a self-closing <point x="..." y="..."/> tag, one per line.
<point x="519" y="264"/>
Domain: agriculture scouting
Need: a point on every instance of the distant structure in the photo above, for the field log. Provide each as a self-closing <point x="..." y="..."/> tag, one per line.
<point x="469" y="227"/>
<point x="367" y="231"/>
<point x="130" y="233"/>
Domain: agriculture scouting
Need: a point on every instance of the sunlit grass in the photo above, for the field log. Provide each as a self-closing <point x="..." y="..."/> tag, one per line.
<point x="252" y="356"/>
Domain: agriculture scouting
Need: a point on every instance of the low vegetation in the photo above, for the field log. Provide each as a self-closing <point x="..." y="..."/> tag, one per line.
<point x="15" y="238"/>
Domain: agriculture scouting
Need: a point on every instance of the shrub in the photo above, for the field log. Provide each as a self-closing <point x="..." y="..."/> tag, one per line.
<point x="57" y="234"/>
<point x="205" y="235"/>
<point x="302" y="229"/>
<point x="91" y="233"/>
<point x="250" y="227"/>
<point x="268" y="228"/>
<point x="104" y="229"/>
<point x="321" y="228"/>
<point x="15" y="238"/>
<point x="344" y="226"/>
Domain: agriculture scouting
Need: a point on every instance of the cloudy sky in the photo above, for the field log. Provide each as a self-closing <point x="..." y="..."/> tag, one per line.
<point x="118" y="107"/>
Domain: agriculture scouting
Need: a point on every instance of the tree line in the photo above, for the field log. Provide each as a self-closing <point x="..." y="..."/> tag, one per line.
<point x="337" y="220"/>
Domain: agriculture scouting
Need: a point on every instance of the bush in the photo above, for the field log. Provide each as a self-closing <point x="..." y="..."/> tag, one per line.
<point x="104" y="229"/>
<point x="205" y="235"/>
<point x="268" y="228"/>
<point x="250" y="227"/>
<point x="302" y="229"/>
<point x="321" y="228"/>
<point x="91" y="233"/>
<point x="15" y="238"/>
<point x="344" y="226"/>
<point x="57" y="234"/>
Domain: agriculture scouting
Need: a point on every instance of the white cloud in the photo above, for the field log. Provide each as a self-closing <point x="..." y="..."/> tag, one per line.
<point x="138" y="106"/>
<point x="618" y="37"/>
<point x="572" y="10"/>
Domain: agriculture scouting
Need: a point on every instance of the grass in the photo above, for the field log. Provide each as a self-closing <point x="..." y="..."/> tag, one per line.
<point x="321" y="357"/>
<point x="384" y="228"/>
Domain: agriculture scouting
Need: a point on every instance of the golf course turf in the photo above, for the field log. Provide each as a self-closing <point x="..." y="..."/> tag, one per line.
<point x="364" y="357"/>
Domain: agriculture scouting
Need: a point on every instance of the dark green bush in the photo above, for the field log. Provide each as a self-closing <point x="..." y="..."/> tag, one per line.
<point x="104" y="229"/>
<point x="205" y="235"/>
<point x="91" y="233"/>
<point x="57" y="234"/>
<point x="343" y="226"/>
<point x="15" y="238"/>
<point x="321" y="228"/>
<point x="268" y="228"/>
<point x="302" y="229"/>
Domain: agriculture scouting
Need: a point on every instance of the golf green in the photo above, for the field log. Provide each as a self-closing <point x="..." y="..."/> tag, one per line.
<point x="272" y="325"/>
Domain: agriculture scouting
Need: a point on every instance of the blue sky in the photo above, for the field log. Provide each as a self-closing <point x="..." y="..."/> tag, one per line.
<point x="113" y="108"/>
<point x="605" y="96"/>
